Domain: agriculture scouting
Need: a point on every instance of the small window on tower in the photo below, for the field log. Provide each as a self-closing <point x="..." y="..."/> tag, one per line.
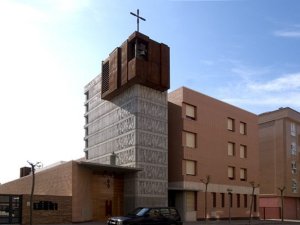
<point x="105" y="77"/>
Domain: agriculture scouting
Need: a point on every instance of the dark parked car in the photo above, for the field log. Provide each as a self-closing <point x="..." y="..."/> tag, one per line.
<point x="148" y="216"/>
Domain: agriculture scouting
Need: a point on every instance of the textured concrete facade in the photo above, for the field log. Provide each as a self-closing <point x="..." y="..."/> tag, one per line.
<point x="131" y="130"/>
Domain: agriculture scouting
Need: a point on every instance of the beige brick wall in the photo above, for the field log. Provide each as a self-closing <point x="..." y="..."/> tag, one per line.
<point x="63" y="214"/>
<point x="53" y="181"/>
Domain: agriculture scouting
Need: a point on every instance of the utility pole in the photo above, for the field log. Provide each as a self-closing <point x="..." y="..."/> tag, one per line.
<point x="205" y="182"/>
<point x="253" y="185"/>
<point x="281" y="196"/>
<point x="33" y="165"/>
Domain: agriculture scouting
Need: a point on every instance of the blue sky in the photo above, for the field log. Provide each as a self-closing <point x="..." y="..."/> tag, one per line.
<point x="244" y="52"/>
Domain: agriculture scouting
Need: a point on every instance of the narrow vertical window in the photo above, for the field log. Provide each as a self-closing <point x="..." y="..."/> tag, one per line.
<point x="230" y="124"/>
<point x="222" y="200"/>
<point x="293" y="148"/>
<point x="230" y="199"/>
<point x="245" y="201"/>
<point x="231" y="172"/>
<point x="190" y="140"/>
<point x="243" y="174"/>
<point x="293" y="129"/>
<point x="243" y="128"/>
<point x="190" y="167"/>
<point x="190" y="111"/>
<point x="294" y="167"/>
<point x="231" y="148"/>
<point x="243" y="151"/>
<point x="238" y="200"/>
<point x="294" y="186"/>
<point x="214" y="199"/>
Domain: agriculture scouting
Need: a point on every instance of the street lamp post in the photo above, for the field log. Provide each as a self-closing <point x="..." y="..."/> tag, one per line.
<point x="229" y="191"/>
<point x="281" y="196"/>
<point x="253" y="185"/>
<point x="33" y="165"/>
<point x="205" y="182"/>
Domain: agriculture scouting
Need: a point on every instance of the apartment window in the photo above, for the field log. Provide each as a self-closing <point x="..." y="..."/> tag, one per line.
<point x="231" y="149"/>
<point x="230" y="124"/>
<point x="243" y="174"/>
<point x="231" y="172"/>
<point x="190" y="139"/>
<point x="293" y="148"/>
<point x="245" y="201"/>
<point x="294" y="167"/>
<point x="86" y="131"/>
<point x="214" y="199"/>
<point x="190" y="167"/>
<point x="191" y="201"/>
<point x="243" y="151"/>
<point x="243" y="128"/>
<point x="190" y="111"/>
<point x="86" y="143"/>
<point x="294" y="186"/>
<point x="293" y="129"/>
<point x="238" y="200"/>
<point x="222" y="200"/>
<point x="230" y="199"/>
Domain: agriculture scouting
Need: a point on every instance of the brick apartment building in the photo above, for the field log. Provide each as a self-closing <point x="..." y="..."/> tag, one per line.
<point x="208" y="137"/>
<point x="279" y="144"/>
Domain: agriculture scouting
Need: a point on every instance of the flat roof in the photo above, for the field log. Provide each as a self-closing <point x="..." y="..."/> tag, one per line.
<point x="109" y="168"/>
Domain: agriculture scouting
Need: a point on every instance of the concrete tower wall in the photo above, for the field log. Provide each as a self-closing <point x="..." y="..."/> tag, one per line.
<point x="133" y="129"/>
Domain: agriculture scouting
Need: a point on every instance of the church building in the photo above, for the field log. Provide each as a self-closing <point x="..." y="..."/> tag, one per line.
<point x="146" y="147"/>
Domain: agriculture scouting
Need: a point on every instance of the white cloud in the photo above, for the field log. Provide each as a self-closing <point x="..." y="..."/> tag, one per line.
<point x="285" y="83"/>
<point x="287" y="34"/>
<point x="290" y="31"/>
<point x="253" y="89"/>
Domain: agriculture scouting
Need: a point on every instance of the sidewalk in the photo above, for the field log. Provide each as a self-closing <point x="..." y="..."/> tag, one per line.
<point x="215" y="222"/>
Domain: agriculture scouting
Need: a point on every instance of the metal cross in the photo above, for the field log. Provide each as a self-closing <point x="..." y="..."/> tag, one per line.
<point x="138" y="17"/>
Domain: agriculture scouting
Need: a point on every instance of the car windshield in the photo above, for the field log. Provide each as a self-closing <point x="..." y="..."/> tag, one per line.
<point x="138" y="212"/>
